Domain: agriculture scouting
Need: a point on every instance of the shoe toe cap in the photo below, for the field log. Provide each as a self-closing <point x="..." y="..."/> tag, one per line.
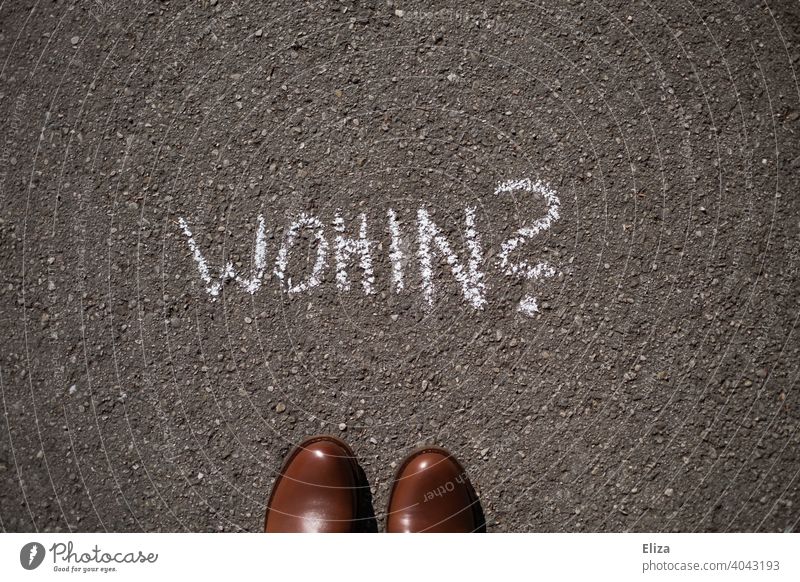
<point x="316" y="490"/>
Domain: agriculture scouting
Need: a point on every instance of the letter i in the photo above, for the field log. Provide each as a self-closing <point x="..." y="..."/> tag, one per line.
<point x="395" y="252"/>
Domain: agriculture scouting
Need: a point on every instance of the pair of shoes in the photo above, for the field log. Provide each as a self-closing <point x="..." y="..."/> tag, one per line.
<point x="318" y="490"/>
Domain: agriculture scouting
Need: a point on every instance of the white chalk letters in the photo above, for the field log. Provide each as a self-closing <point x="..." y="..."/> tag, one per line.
<point x="354" y="244"/>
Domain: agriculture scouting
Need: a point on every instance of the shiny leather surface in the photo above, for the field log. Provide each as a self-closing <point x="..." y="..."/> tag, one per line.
<point x="432" y="493"/>
<point x="316" y="490"/>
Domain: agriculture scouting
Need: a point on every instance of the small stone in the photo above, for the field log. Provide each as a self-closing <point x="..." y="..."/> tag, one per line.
<point x="200" y="476"/>
<point x="248" y="320"/>
<point x="761" y="372"/>
<point x="342" y="426"/>
<point x="373" y="441"/>
<point x="668" y="492"/>
<point x="280" y="407"/>
<point x="75" y="40"/>
<point x="399" y="13"/>
<point x="259" y="32"/>
<point x="73" y="389"/>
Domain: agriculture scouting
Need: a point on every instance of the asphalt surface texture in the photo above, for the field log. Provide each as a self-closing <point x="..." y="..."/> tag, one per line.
<point x="561" y="239"/>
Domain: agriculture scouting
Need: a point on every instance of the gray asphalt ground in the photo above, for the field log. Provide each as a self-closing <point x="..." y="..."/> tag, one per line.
<point x="653" y="385"/>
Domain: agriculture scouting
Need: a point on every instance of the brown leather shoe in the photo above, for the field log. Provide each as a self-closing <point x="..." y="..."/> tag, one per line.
<point x="432" y="493"/>
<point x="317" y="489"/>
